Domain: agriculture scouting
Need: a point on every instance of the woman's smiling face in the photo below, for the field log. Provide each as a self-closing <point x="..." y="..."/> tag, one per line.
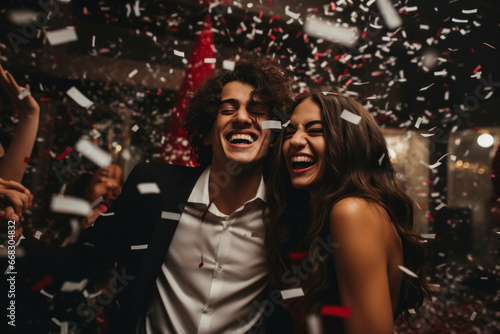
<point x="304" y="146"/>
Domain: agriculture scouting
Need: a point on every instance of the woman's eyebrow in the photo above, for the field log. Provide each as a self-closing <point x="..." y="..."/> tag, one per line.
<point x="311" y="123"/>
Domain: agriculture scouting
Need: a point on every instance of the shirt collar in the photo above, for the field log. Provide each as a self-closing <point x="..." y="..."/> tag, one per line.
<point x="200" y="194"/>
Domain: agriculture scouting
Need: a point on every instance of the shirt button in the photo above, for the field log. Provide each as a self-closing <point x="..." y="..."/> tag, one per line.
<point x="219" y="268"/>
<point x="225" y="227"/>
<point x="207" y="310"/>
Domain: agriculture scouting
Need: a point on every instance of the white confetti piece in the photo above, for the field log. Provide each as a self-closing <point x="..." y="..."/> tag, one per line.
<point x="286" y="124"/>
<point x="314" y="324"/>
<point x="135" y="128"/>
<point x="293" y="15"/>
<point x="23" y="94"/>
<point x="61" y="36"/>
<point x="459" y="20"/>
<point x="426" y="87"/>
<point x="148" y="188"/>
<point x="417" y="124"/>
<point x="473" y="316"/>
<point x="273" y="124"/>
<point x="107" y="214"/>
<point x="133" y="73"/>
<point x="95" y="154"/>
<point x="70" y="205"/>
<point x="428" y="235"/>
<point x="407" y="271"/>
<point x="57" y="322"/>
<point x="292" y="293"/>
<point x="321" y="29"/>
<point x="210" y="60"/>
<point x="170" y="215"/>
<point x="38" y="234"/>
<point x="46" y="294"/>
<point x="179" y="53"/>
<point x="390" y="15"/>
<point x="469" y="11"/>
<point x="79" y="98"/>
<point x="437" y="164"/>
<point x="228" y="65"/>
<point x="138" y="247"/>
<point x="350" y="117"/>
<point x="440" y="206"/>
<point x="441" y="73"/>
<point x="381" y="159"/>
<point x="74" y="286"/>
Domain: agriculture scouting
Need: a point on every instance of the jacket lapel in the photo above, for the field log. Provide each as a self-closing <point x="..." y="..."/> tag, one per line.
<point x="176" y="194"/>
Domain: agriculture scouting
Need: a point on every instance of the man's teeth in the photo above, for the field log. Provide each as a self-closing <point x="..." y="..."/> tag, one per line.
<point x="302" y="158"/>
<point x="245" y="137"/>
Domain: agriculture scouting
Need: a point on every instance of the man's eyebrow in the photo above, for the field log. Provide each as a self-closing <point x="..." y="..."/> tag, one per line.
<point x="230" y="101"/>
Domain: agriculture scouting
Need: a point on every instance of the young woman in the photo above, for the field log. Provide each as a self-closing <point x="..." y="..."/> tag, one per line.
<point x="334" y="149"/>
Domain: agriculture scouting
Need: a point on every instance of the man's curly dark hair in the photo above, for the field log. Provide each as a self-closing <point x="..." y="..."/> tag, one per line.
<point x="272" y="86"/>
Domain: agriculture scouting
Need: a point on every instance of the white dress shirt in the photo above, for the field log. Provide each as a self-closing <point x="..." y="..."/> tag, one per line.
<point x="224" y="291"/>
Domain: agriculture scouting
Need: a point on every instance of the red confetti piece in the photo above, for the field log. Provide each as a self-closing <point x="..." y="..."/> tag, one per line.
<point x="26" y="160"/>
<point x="491" y="46"/>
<point x="476" y="69"/>
<point x="65" y="153"/>
<point x="333" y="5"/>
<point x="336" y="311"/>
<point x="201" y="263"/>
<point x="297" y="255"/>
<point x="381" y="118"/>
<point x="348" y="82"/>
<point x="430" y="216"/>
<point x="44" y="99"/>
<point x="269" y="3"/>
<point x="42" y="284"/>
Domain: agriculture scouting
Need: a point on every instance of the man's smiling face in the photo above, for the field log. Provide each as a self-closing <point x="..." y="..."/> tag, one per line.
<point x="237" y="133"/>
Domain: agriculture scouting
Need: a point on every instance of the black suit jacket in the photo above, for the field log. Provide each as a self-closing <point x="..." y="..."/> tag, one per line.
<point x="135" y="233"/>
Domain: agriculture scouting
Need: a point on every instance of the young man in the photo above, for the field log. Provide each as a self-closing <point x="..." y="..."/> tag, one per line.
<point x="191" y="256"/>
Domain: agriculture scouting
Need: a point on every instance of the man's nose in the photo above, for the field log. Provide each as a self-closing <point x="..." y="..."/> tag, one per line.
<point x="242" y="116"/>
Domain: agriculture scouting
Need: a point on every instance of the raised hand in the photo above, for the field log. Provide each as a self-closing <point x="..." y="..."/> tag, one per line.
<point x="26" y="106"/>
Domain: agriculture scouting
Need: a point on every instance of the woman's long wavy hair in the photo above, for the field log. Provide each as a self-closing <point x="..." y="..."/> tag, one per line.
<point x="357" y="164"/>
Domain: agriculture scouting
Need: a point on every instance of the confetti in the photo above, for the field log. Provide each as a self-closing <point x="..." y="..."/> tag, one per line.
<point x="292" y="293"/>
<point x="228" y="65"/>
<point x="210" y="60"/>
<point x="426" y="87"/>
<point x="133" y="73"/>
<point x="417" y="124"/>
<point x="297" y="255"/>
<point x="70" y="205"/>
<point x="135" y="128"/>
<point x="23" y="94"/>
<point x="79" y="98"/>
<point x="201" y="263"/>
<point x="170" y="215"/>
<point x="273" y="124"/>
<point x="428" y="235"/>
<point x="440" y="206"/>
<point x="473" y="316"/>
<point x="179" y="53"/>
<point x="74" y="286"/>
<point x="26" y="160"/>
<point x="107" y="214"/>
<point x="381" y="159"/>
<point x="293" y="15"/>
<point x="320" y="29"/>
<point x="350" y="117"/>
<point x="61" y="36"/>
<point x="46" y="294"/>
<point x="407" y="271"/>
<point x="390" y="15"/>
<point x="65" y="153"/>
<point x="336" y="311"/>
<point x="148" y="188"/>
<point x="95" y="154"/>
<point x="139" y="247"/>
<point x="314" y="324"/>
